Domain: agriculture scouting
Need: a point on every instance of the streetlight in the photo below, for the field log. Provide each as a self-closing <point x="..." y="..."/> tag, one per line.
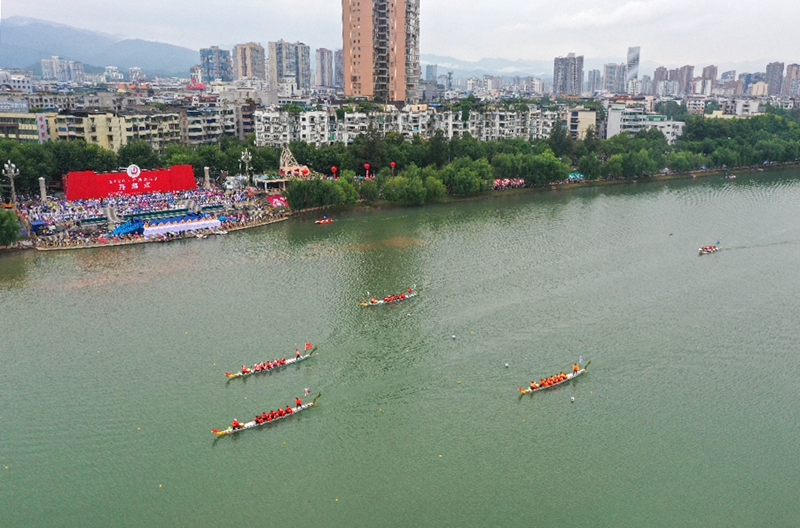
<point x="10" y="170"/>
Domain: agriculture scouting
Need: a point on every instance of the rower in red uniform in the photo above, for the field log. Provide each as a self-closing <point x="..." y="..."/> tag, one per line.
<point x="409" y="290"/>
<point x="575" y="369"/>
<point x="297" y="353"/>
<point x="289" y="409"/>
<point x="244" y="369"/>
<point x="235" y="424"/>
<point x="281" y="413"/>
<point x="298" y="402"/>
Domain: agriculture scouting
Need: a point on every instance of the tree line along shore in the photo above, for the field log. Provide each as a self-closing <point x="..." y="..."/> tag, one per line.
<point x="421" y="171"/>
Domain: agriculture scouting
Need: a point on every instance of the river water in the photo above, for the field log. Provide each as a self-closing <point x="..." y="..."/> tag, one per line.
<point x="113" y="367"/>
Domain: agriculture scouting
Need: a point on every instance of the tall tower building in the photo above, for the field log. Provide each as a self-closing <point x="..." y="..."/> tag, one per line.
<point x="632" y="67"/>
<point x="685" y="75"/>
<point x="216" y="64"/>
<point x="660" y="75"/>
<point x="249" y="61"/>
<point x="431" y="72"/>
<point x="338" y="69"/>
<point x="710" y="73"/>
<point x="775" y="77"/>
<point x="568" y="75"/>
<point x="594" y="81"/>
<point x="289" y="63"/>
<point x="324" y="67"/>
<point x="792" y="74"/>
<point x="614" y="75"/>
<point x="381" y="49"/>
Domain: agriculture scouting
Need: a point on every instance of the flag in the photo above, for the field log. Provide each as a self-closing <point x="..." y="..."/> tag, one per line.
<point x="307" y="392"/>
<point x="309" y="346"/>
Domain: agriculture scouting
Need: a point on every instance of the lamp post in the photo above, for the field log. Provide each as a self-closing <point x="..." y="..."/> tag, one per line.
<point x="11" y="171"/>
<point x="246" y="159"/>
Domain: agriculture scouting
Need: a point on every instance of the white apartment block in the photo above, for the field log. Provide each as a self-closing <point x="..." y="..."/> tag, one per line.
<point x="621" y="119"/>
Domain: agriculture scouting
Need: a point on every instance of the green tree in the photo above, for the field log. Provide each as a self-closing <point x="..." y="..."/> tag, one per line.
<point x="590" y="167"/>
<point x="9" y="227"/>
<point x="138" y="153"/>
<point x="369" y="190"/>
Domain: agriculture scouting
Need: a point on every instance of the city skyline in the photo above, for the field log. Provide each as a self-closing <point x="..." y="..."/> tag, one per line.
<point x="532" y="31"/>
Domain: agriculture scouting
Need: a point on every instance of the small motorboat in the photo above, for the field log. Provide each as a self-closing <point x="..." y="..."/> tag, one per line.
<point x="325" y="220"/>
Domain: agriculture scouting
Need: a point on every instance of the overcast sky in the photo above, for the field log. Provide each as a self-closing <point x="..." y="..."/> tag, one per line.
<point x="670" y="32"/>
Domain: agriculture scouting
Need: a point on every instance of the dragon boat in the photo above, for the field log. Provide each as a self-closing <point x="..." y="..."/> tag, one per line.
<point x="569" y="377"/>
<point x="258" y="369"/>
<point x="254" y="423"/>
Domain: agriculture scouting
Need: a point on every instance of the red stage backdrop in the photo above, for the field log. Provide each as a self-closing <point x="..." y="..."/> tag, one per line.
<point x="87" y="185"/>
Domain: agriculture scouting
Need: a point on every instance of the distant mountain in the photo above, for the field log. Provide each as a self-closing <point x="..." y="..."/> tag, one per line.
<point x="504" y="67"/>
<point x="24" y="42"/>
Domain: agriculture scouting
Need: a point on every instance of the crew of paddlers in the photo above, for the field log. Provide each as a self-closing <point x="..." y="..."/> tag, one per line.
<point x="265" y="366"/>
<point x="392" y="298"/>
<point x="270" y="416"/>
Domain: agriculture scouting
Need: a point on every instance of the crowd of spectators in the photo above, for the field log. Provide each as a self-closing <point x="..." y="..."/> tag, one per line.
<point x="61" y="211"/>
<point x="509" y="183"/>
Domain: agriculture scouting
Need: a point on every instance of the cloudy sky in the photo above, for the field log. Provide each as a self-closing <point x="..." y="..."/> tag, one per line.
<point x="670" y="32"/>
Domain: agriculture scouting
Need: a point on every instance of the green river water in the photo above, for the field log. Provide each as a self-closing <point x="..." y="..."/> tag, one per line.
<point x="113" y="367"/>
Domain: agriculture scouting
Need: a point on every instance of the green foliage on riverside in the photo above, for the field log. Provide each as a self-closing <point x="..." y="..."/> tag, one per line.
<point x="9" y="227"/>
<point x="427" y="170"/>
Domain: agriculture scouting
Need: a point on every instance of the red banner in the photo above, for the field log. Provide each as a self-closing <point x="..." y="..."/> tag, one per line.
<point x="87" y="185"/>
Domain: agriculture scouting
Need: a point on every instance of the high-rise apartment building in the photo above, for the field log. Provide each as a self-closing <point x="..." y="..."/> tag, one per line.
<point x="685" y="75"/>
<point x="431" y="72"/>
<point x="792" y="75"/>
<point x="659" y="75"/>
<point x="338" y="69"/>
<point x="289" y="64"/>
<point x="594" y="81"/>
<point x="62" y="70"/>
<point x="381" y="49"/>
<point x="728" y="76"/>
<point x="216" y="64"/>
<point x="568" y="75"/>
<point x="614" y="78"/>
<point x="632" y="67"/>
<point x="775" y="77"/>
<point x="710" y="74"/>
<point x="324" y="75"/>
<point x="249" y="61"/>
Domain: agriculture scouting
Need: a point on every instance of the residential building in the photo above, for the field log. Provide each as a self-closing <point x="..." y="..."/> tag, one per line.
<point x="727" y="76"/>
<point x="579" y="121"/>
<point x="289" y="64"/>
<point x="568" y="75"/>
<point x="249" y="61"/>
<point x="792" y="75"/>
<point x="710" y="74"/>
<point x="324" y="68"/>
<point x="774" y="77"/>
<point x="632" y="67"/>
<point x="659" y="75"/>
<point x="431" y="72"/>
<point x="25" y="127"/>
<point x="216" y="64"/>
<point x="759" y="89"/>
<point x="381" y="49"/>
<point x="15" y="82"/>
<point x="62" y="70"/>
<point x="594" y="82"/>
<point x="338" y="69"/>
<point x="614" y="78"/>
<point x="621" y="119"/>
<point x="112" y="131"/>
